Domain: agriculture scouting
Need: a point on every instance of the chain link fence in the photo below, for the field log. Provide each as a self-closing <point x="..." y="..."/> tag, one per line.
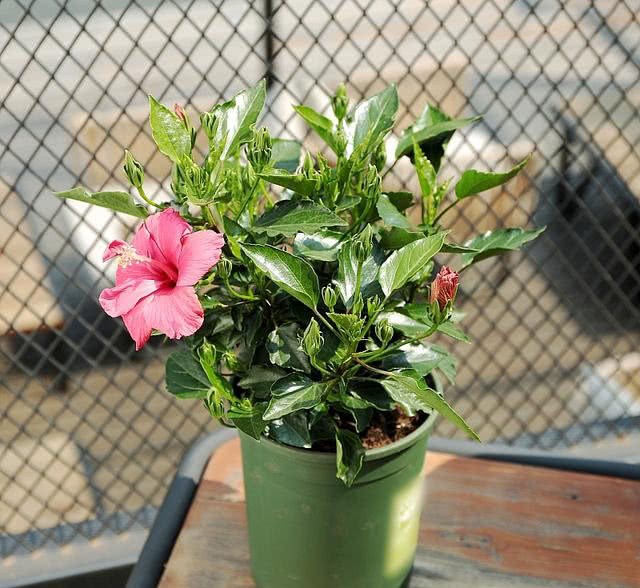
<point x="88" y="440"/>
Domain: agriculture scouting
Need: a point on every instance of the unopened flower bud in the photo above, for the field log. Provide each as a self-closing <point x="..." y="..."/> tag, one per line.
<point x="372" y="182"/>
<point x="308" y="167"/>
<point x="363" y="245"/>
<point x="133" y="170"/>
<point x="379" y="158"/>
<point x="209" y="122"/>
<point x="358" y="305"/>
<point x="384" y="332"/>
<point x="181" y="114"/>
<point x="340" y="142"/>
<point x="444" y="287"/>
<point x="312" y="340"/>
<point x="330" y="297"/>
<point x="373" y="305"/>
<point x="224" y="268"/>
<point x="340" y="102"/>
<point x="259" y="149"/>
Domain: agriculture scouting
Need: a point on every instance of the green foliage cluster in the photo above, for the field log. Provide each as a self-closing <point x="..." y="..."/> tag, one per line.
<point x="317" y="316"/>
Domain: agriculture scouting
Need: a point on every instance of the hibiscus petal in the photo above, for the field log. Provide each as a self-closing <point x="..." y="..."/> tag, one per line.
<point x="176" y="312"/>
<point x="113" y="249"/>
<point x="136" y="323"/>
<point x="200" y="252"/>
<point x="159" y="236"/>
<point x="123" y="297"/>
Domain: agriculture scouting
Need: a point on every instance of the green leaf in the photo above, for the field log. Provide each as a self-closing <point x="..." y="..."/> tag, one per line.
<point x="404" y="263"/>
<point x="349" y="324"/>
<point x="348" y="269"/>
<point x="285" y="154"/>
<point x="293" y="429"/>
<point x="412" y="327"/>
<point x="260" y="378"/>
<point x="291" y="393"/>
<point x="248" y="418"/>
<point x="455" y="248"/>
<point x="292" y="273"/>
<point x="283" y="347"/>
<point x="319" y="123"/>
<point x="288" y="217"/>
<point x="345" y="202"/>
<point x="295" y="182"/>
<point x="170" y="135"/>
<point x="401" y="200"/>
<point x="473" y="182"/>
<point x="185" y="377"/>
<point x="420" y="312"/>
<point x="496" y="242"/>
<point x="432" y="131"/>
<point x="410" y="390"/>
<point x="395" y="238"/>
<point x="423" y="359"/>
<point x="321" y="246"/>
<point x="237" y="117"/>
<point x="349" y="455"/>
<point x="372" y="119"/>
<point x="390" y="214"/>
<point x="117" y="201"/>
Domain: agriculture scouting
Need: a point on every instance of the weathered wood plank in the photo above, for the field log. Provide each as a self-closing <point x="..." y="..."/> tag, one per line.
<point x="485" y="524"/>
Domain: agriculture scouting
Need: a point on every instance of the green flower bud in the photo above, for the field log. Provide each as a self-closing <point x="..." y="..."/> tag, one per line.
<point x="373" y="305"/>
<point x="133" y="170"/>
<point x="379" y="158"/>
<point x="372" y="182"/>
<point x="364" y="244"/>
<point x="224" y="268"/>
<point x="358" y="305"/>
<point x="312" y="340"/>
<point x="330" y="297"/>
<point x="384" y="332"/>
<point x="260" y="149"/>
<point x="340" y="142"/>
<point x="209" y="122"/>
<point x="340" y="102"/>
<point x="308" y="167"/>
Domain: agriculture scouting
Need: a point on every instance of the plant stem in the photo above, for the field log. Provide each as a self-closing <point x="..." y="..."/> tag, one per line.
<point x="444" y="211"/>
<point x="237" y="294"/>
<point x="371" y="368"/>
<point x="327" y="324"/>
<point x="147" y="199"/>
<point x="375" y="355"/>
<point x="248" y="198"/>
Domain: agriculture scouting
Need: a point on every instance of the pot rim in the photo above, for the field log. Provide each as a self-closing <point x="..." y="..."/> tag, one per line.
<point x="370" y="454"/>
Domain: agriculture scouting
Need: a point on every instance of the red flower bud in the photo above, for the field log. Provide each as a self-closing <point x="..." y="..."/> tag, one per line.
<point x="444" y="287"/>
<point x="182" y="115"/>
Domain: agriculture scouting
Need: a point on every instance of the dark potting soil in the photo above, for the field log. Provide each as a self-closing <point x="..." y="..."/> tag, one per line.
<point x="387" y="427"/>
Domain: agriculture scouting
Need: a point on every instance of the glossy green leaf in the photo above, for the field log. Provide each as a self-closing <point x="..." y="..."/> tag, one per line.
<point x="346" y="202"/>
<point x="117" y="201"/>
<point x="473" y="182"/>
<point x="423" y="359"/>
<point x="321" y="246"/>
<point x="291" y="393"/>
<point x="432" y="131"/>
<point x="260" y="378"/>
<point x="347" y="272"/>
<point x="248" y="418"/>
<point x="292" y="429"/>
<point x="455" y="248"/>
<point x="295" y="182"/>
<point x="412" y="327"/>
<point x="288" y="217"/>
<point x="349" y="455"/>
<point x="319" y="123"/>
<point x="185" y="377"/>
<point x="372" y="119"/>
<point x="390" y="215"/>
<point x="401" y="200"/>
<point x="410" y="390"/>
<point x="404" y="263"/>
<point x="497" y="242"/>
<point x="283" y="347"/>
<point x="420" y="312"/>
<point x="396" y="238"/>
<point x="170" y="135"/>
<point x="292" y="273"/>
<point x="237" y="118"/>
<point x="285" y="154"/>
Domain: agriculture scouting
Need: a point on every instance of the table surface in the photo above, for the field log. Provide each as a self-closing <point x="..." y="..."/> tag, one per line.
<point x="485" y="524"/>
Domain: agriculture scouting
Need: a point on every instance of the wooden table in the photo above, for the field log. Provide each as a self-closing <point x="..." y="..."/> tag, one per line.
<point x="485" y="524"/>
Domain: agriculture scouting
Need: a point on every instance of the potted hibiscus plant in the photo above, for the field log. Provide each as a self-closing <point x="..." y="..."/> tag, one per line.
<point x="306" y="297"/>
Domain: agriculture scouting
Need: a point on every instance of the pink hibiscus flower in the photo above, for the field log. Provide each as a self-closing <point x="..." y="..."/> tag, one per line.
<point x="444" y="287"/>
<point x="156" y="277"/>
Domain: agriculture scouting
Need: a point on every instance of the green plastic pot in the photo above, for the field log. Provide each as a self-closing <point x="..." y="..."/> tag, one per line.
<point x="308" y="530"/>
